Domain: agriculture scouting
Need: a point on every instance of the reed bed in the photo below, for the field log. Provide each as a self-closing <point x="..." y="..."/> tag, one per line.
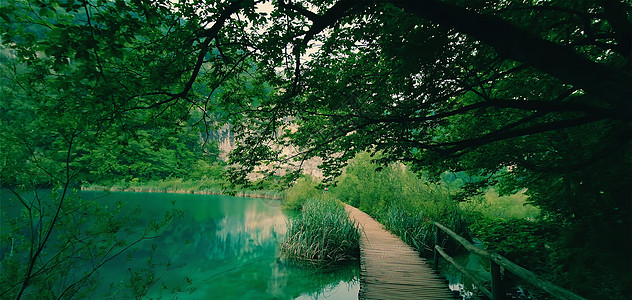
<point x="322" y="235"/>
<point x="417" y="230"/>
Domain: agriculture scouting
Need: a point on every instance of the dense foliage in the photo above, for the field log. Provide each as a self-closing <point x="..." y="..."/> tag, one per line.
<point x="304" y="189"/>
<point x="522" y="94"/>
<point x="408" y="204"/>
<point x="404" y="202"/>
<point x="65" y="122"/>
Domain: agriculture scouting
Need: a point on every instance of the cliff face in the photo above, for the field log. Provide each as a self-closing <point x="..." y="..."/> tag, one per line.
<point x="226" y="141"/>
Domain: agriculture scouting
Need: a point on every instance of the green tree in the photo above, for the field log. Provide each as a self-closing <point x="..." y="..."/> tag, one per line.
<point x="77" y="106"/>
<point x="525" y="94"/>
<point x="522" y="94"/>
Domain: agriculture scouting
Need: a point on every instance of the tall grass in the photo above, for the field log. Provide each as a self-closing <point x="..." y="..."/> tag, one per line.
<point x="322" y="235"/>
<point x="202" y="185"/>
<point x="404" y="202"/>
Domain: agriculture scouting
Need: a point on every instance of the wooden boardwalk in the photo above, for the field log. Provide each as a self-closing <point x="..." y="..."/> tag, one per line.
<point x="390" y="269"/>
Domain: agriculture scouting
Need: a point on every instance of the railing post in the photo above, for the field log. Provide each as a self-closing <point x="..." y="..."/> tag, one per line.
<point x="498" y="287"/>
<point x="436" y="242"/>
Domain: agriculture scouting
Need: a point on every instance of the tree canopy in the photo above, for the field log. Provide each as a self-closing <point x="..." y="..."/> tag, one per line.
<point x="524" y="93"/>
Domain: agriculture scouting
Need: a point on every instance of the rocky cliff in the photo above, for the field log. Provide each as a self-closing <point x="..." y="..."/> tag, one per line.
<point x="226" y="142"/>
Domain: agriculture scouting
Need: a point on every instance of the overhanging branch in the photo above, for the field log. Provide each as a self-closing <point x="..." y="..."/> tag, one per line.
<point x="612" y="86"/>
<point x="510" y="131"/>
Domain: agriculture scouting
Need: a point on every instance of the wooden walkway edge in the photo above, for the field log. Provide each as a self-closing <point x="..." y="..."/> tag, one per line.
<point x="390" y="269"/>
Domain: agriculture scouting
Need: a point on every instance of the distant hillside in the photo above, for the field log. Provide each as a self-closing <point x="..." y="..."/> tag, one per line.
<point x="226" y="141"/>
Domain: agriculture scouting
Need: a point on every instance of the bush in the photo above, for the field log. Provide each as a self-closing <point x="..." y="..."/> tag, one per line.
<point x="533" y="245"/>
<point x="509" y="207"/>
<point x="322" y="235"/>
<point x="524" y="242"/>
<point x="302" y="190"/>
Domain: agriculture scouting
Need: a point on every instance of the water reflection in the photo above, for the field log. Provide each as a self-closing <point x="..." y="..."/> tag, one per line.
<point x="476" y="266"/>
<point x="223" y="248"/>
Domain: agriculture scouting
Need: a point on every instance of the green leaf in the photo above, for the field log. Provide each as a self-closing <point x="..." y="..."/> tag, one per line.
<point x="5" y="17"/>
<point x="247" y="3"/>
<point x="46" y="12"/>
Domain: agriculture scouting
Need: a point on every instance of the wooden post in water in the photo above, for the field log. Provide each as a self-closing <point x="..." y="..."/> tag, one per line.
<point x="498" y="287"/>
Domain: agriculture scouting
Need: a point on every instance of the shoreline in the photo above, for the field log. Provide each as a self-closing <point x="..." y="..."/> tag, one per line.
<point x="246" y="194"/>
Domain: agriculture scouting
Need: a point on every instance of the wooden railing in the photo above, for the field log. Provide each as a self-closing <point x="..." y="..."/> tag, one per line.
<point x="496" y="261"/>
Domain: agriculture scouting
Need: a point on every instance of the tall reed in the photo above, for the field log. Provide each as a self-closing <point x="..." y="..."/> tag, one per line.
<point x="322" y="235"/>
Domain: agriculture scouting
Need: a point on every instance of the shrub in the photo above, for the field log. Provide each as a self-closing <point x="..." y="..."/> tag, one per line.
<point x="509" y="207"/>
<point x="527" y="243"/>
<point x="301" y="191"/>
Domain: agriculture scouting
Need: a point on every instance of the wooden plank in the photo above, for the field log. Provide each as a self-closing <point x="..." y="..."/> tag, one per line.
<point x="390" y="269"/>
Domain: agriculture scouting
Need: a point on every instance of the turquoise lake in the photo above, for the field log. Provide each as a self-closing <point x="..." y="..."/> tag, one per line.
<point x="221" y="247"/>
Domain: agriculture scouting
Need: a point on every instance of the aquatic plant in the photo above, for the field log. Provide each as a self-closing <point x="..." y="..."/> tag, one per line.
<point x="322" y="235"/>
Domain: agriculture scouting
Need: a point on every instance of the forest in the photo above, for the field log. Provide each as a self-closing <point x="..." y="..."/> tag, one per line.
<point x="513" y="96"/>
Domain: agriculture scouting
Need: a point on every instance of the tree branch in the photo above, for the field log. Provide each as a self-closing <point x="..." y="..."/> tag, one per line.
<point x="508" y="132"/>
<point x="616" y="15"/>
<point x="299" y="9"/>
<point x="613" y="86"/>
<point x="210" y="35"/>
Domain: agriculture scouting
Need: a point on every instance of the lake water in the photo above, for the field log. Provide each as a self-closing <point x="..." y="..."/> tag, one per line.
<point x="221" y="248"/>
